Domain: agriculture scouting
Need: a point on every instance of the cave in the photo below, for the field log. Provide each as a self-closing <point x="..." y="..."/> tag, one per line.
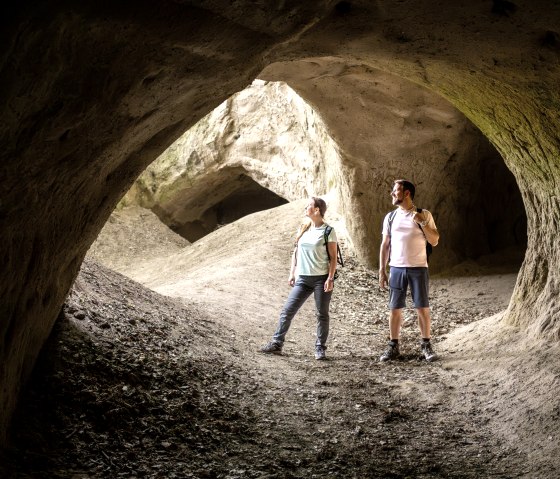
<point x="93" y="93"/>
<point x="248" y="197"/>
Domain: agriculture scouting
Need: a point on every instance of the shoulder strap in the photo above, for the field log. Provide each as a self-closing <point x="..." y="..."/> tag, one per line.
<point x="391" y="218"/>
<point x="419" y="210"/>
<point x="326" y="234"/>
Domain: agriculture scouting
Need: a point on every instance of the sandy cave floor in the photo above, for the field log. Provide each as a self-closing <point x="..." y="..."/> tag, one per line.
<point x="136" y="384"/>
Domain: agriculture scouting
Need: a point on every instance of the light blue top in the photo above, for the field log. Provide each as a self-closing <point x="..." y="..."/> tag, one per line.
<point x="312" y="259"/>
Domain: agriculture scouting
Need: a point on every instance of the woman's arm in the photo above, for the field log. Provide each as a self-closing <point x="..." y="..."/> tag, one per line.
<point x="329" y="283"/>
<point x="292" y="277"/>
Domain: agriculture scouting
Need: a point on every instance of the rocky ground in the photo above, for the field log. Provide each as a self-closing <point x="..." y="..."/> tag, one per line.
<point x="136" y="384"/>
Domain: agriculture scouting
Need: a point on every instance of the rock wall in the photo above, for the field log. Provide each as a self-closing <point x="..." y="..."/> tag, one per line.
<point x="93" y="92"/>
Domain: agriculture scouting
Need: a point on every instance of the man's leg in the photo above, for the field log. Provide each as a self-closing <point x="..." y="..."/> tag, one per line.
<point x="419" y="287"/>
<point x="397" y="300"/>
<point x="424" y="322"/>
<point x="395" y="323"/>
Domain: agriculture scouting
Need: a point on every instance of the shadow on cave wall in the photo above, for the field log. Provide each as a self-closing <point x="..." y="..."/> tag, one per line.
<point x="249" y="197"/>
<point x="495" y="210"/>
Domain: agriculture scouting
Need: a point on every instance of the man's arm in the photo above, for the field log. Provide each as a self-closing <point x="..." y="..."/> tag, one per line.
<point x="383" y="260"/>
<point x="428" y="226"/>
<point x="431" y="234"/>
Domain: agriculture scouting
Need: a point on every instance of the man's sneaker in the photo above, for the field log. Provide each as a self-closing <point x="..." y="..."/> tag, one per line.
<point x="272" y="348"/>
<point x="428" y="352"/>
<point x="320" y="353"/>
<point x="392" y="352"/>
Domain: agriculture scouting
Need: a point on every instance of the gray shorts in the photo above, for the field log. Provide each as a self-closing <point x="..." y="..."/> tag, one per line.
<point x="400" y="279"/>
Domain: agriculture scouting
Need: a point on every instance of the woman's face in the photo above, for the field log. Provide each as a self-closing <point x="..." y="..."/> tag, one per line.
<point x="311" y="209"/>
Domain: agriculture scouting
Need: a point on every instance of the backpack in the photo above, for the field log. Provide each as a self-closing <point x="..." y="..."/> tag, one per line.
<point x="339" y="258"/>
<point x="428" y="245"/>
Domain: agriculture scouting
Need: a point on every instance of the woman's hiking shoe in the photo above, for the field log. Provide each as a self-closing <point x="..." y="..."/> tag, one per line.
<point x="320" y="353"/>
<point x="428" y="352"/>
<point x="392" y="352"/>
<point x="272" y="348"/>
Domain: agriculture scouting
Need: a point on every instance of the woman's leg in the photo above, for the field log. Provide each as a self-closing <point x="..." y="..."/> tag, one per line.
<point x="322" y="302"/>
<point x="300" y="292"/>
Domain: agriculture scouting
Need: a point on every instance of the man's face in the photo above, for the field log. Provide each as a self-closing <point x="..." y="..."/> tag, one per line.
<point x="397" y="194"/>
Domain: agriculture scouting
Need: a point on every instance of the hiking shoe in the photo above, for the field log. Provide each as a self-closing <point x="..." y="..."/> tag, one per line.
<point x="428" y="352"/>
<point x="392" y="352"/>
<point x="272" y="348"/>
<point x="320" y="353"/>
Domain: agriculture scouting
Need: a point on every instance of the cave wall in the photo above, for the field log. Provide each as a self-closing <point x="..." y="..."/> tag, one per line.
<point x="92" y="93"/>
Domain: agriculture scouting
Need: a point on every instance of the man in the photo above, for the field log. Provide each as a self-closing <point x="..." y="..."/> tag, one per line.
<point x="405" y="233"/>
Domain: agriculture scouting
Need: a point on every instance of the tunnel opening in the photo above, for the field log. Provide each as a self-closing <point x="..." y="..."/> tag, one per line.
<point x="249" y="197"/>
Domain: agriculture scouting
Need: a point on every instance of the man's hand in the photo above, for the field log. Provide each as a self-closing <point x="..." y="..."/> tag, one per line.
<point x="419" y="217"/>
<point x="383" y="279"/>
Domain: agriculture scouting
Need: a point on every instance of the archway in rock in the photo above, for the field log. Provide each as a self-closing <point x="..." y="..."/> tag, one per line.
<point x="81" y="122"/>
<point x="249" y="197"/>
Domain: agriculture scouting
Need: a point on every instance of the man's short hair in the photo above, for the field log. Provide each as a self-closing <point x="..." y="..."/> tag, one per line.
<point x="407" y="186"/>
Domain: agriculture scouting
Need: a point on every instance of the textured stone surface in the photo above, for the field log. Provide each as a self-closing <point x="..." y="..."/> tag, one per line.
<point x="92" y="93"/>
<point x="266" y="133"/>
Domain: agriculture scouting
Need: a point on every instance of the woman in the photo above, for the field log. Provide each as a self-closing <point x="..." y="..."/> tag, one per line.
<point x="315" y="274"/>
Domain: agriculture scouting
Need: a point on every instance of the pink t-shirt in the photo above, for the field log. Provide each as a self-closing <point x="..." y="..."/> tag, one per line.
<point x="408" y="243"/>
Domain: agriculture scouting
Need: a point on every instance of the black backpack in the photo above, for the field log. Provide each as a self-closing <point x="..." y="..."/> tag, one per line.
<point x="339" y="258"/>
<point x="428" y="245"/>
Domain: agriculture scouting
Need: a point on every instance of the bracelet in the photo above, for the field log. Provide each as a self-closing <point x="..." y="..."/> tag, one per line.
<point x="330" y="279"/>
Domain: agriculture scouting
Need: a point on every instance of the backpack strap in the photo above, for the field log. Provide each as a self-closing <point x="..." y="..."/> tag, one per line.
<point x="326" y="235"/>
<point x="392" y="215"/>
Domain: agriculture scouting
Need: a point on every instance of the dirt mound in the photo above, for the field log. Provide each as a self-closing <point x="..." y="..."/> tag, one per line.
<point x="130" y="236"/>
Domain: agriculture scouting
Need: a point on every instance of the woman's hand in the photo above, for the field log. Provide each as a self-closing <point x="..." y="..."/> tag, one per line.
<point x="292" y="280"/>
<point x="329" y="285"/>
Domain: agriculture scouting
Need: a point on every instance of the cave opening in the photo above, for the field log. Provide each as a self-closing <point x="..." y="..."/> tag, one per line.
<point x="248" y="197"/>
